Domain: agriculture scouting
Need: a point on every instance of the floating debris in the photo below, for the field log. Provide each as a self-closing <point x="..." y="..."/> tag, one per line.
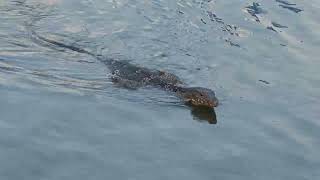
<point x="296" y="10"/>
<point x="84" y="61"/>
<point x="278" y="25"/>
<point x="203" y="21"/>
<point x="213" y="17"/>
<point x="287" y="5"/>
<point x="231" y="29"/>
<point x="271" y="28"/>
<point x="286" y="2"/>
<point x="263" y="81"/>
<point x="254" y="10"/>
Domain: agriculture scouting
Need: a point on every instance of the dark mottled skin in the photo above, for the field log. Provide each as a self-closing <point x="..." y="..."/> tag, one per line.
<point x="135" y="77"/>
<point x="130" y="76"/>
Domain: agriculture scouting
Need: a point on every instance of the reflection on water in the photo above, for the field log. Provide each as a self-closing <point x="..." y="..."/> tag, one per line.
<point x="204" y="114"/>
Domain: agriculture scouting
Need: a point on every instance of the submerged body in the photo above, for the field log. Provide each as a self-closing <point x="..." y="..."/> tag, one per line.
<point x="130" y="76"/>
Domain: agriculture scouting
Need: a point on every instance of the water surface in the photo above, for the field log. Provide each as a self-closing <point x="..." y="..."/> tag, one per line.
<point x="62" y="118"/>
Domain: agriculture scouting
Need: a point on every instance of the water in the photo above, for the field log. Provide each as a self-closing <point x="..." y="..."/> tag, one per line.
<point x="62" y="118"/>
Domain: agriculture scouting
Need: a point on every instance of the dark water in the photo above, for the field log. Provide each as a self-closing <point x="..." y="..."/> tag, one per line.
<point x="62" y="118"/>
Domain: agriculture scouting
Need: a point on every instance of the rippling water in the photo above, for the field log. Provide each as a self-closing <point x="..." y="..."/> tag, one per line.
<point x="62" y="118"/>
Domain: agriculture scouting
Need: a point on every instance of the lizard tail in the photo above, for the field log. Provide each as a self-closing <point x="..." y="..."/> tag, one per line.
<point x="40" y="39"/>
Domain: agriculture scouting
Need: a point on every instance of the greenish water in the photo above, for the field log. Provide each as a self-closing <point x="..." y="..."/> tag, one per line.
<point x="62" y="118"/>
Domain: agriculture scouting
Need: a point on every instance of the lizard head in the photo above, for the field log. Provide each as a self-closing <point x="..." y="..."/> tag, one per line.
<point x="198" y="96"/>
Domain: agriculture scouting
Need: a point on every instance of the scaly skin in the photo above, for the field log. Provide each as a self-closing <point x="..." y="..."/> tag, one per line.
<point x="130" y="76"/>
